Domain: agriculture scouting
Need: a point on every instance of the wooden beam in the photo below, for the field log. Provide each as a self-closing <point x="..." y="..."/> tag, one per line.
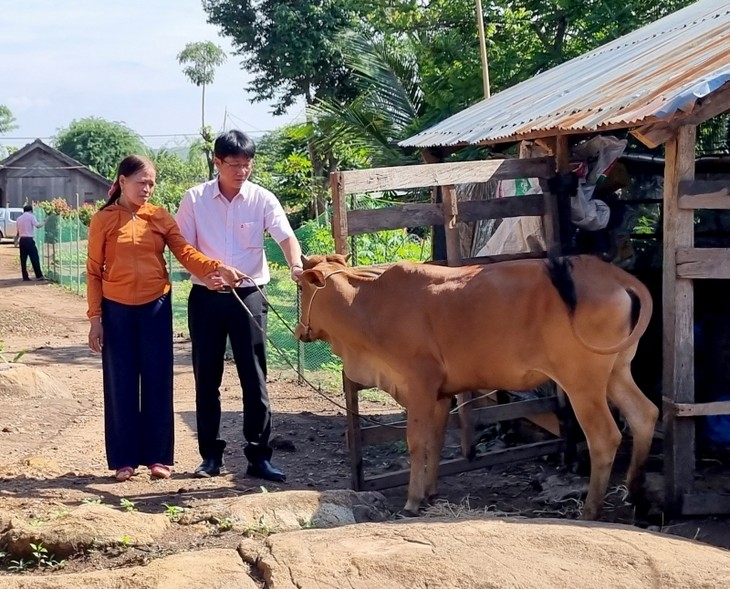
<point x="703" y="263"/>
<point x="339" y="213"/>
<point x="457" y="465"/>
<point x="445" y="174"/>
<point x="708" y="194"/>
<point x="562" y="154"/>
<point x="379" y="434"/>
<point x="678" y="378"/>
<point x="697" y="409"/>
<point x="532" y="205"/>
<point x="705" y="108"/>
<point x="354" y="435"/>
<point x="394" y="217"/>
<point x="706" y="504"/>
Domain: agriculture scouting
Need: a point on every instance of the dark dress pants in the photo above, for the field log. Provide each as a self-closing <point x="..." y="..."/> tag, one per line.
<point x="28" y="249"/>
<point x="212" y="317"/>
<point x="137" y="364"/>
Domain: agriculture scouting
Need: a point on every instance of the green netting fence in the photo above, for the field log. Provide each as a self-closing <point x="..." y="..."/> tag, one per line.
<point x="62" y="244"/>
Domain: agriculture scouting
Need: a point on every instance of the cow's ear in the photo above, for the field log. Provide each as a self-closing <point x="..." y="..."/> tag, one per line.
<point x="314" y="277"/>
<point x="306" y="262"/>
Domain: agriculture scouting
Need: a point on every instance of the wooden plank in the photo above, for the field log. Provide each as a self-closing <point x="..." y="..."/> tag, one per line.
<point x="697" y="187"/>
<point x="706" y="504"/>
<point x="339" y="213"/>
<point x="379" y="434"/>
<point x="707" y="262"/>
<point x="707" y="194"/>
<point x="354" y="435"/>
<point x="457" y="465"/>
<point x="450" y="210"/>
<point x="444" y="174"/>
<point x="718" y="200"/>
<point x="395" y="217"/>
<point x="678" y="320"/>
<point x="697" y="409"/>
<point x="531" y="205"/>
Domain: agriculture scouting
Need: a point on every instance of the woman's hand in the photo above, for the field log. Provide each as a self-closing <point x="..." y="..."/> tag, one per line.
<point x="96" y="335"/>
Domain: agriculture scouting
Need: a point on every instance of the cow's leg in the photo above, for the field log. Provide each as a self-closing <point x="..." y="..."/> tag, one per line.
<point x="436" y="444"/>
<point x="641" y="415"/>
<point x="589" y="403"/>
<point x="420" y="430"/>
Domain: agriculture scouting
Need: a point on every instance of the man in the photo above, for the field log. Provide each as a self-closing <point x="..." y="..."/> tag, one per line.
<point x="26" y="225"/>
<point x="225" y="219"/>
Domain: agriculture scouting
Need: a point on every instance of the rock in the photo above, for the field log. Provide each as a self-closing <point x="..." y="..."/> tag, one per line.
<point x="207" y="569"/>
<point x="81" y="528"/>
<point x="293" y="510"/>
<point x="18" y="381"/>
<point x="485" y="554"/>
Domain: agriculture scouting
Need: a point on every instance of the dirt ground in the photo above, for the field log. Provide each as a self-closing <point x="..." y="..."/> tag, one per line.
<point x="52" y="449"/>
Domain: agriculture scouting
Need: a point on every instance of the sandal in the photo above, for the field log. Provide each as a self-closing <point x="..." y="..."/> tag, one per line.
<point x="124" y="473"/>
<point x="159" y="471"/>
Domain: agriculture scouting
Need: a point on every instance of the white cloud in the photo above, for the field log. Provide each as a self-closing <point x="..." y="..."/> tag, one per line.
<point x="116" y="60"/>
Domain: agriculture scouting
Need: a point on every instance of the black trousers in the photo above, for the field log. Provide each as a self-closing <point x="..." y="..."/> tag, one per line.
<point x="213" y="317"/>
<point x="28" y="249"/>
<point x="137" y="364"/>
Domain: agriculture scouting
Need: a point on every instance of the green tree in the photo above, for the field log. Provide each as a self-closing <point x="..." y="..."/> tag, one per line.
<point x="99" y="144"/>
<point x="199" y="61"/>
<point x="7" y="120"/>
<point x="289" y="47"/>
<point x="176" y="174"/>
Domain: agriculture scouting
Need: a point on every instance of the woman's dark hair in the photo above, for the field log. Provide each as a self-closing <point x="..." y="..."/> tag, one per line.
<point x="127" y="167"/>
<point x="235" y="143"/>
<point x="27" y="208"/>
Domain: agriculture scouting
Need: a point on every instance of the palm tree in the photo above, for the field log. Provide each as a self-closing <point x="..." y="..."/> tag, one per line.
<point x="200" y="60"/>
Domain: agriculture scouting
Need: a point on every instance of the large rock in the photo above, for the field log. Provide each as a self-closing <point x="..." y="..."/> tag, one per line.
<point x="292" y="510"/>
<point x="82" y="528"/>
<point x="18" y="381"/>
<point x="485" y="554"/>
<point x="208" y="569"/>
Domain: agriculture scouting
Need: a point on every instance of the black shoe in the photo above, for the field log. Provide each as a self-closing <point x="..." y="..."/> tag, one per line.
<point x="263" y="469"/>
<point x="210" y="467"/>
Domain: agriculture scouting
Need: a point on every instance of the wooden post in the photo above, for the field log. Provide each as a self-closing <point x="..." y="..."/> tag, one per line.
<point x="339" y="213"/>
<point x="678" y="383"/>
<point x="450" y="209"/>
<point x="354" y="434"/>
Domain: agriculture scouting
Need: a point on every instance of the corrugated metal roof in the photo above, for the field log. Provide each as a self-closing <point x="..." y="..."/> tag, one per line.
<point x="648" y="74"/>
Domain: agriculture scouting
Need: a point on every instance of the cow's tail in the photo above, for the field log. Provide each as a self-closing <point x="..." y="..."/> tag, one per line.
<point x="559" y="270"/>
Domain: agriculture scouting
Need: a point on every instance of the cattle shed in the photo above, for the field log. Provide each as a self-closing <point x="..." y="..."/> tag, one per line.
<point x="655" y="86"/>
<point x="39" y="172"/>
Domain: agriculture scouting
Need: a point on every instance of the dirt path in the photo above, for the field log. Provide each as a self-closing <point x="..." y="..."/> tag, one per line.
<point x="52" y="450"/>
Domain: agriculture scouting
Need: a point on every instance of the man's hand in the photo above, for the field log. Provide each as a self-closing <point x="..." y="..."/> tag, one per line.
<point x="96" y="335"/>
<point x="230" y="275"/>
<point x="295" y="272"/>
<point x="213" y="281"/>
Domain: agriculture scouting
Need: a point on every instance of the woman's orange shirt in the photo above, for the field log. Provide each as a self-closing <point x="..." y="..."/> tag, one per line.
<point x="125" y="262"/>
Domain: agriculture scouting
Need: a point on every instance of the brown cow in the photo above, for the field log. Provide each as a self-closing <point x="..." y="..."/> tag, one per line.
<point x="424" y="333"/>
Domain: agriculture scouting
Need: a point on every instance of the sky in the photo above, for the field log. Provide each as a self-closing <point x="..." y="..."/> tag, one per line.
<point x="117" y="60"/>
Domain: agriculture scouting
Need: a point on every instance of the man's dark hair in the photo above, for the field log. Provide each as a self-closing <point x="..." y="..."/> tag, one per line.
<point x="234" y="143"/>
<point x="27" y="208"/>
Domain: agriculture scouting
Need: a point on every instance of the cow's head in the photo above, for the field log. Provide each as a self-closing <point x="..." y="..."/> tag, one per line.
<point x="317" y="269"/>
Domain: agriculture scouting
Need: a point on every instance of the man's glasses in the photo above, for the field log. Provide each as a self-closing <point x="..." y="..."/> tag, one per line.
<point x="238" y="166"/>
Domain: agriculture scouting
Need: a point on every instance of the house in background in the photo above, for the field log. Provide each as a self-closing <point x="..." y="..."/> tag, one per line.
<point x="39" y="172"/>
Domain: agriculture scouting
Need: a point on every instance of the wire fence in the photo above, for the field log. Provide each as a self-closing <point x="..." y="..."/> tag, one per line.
<point x="62" y="244"/>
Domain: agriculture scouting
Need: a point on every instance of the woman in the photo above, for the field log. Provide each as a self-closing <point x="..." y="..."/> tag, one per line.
<point x="128" y="291"/>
